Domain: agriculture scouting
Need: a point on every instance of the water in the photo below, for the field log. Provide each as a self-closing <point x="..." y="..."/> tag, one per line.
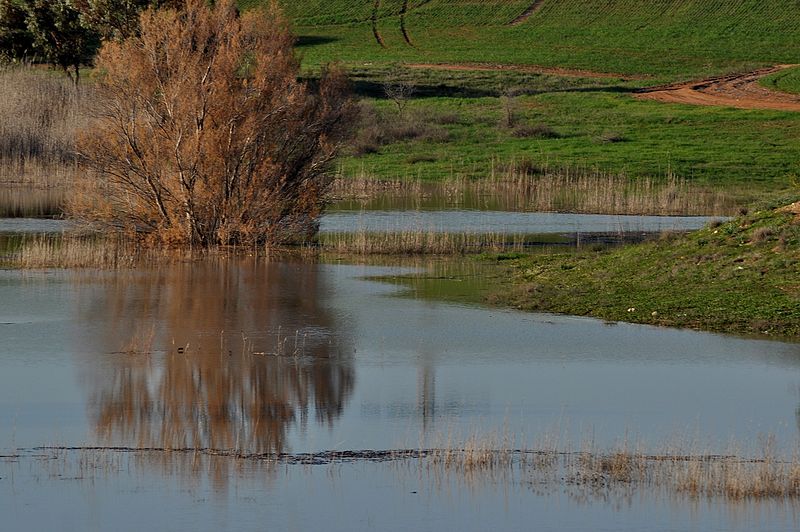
<point x="343" y="364"/>
<point x="452" y="221"/>
<point x="469" y="221"/>
<point x="290" y="356"/>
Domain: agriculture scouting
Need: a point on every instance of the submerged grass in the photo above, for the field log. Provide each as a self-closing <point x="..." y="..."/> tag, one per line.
<point x="625" y="468"/>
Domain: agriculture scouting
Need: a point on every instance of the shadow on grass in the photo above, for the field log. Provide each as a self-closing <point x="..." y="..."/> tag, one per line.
<point x="314" y="40"/>
<point x="374" y="89"/>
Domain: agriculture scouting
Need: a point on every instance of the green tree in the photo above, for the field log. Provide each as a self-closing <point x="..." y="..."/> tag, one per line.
<point x="119" y="19"/>
<point x="61" y="35"/>
<point x="16" y="41"/>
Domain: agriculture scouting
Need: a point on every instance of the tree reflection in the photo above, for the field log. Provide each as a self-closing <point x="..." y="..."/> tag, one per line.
<point x="219" y="354"/>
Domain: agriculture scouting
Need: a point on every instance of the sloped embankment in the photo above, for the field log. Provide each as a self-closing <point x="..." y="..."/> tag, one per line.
<point x="742" y="276"/>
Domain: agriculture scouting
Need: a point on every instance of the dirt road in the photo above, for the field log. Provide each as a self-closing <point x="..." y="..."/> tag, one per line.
<point x="741" y="91"/>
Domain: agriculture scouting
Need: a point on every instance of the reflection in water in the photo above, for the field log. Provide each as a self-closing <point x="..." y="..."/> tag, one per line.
<point x="227" y="354"/>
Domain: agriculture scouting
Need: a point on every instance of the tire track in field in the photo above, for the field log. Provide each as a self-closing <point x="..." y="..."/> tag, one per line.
<point x="528" y="13"/>
<point x="741" y="91"/>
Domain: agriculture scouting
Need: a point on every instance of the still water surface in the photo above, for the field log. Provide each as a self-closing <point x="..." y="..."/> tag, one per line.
<point x="289" y="356"/>
<point x="454" y="221"/>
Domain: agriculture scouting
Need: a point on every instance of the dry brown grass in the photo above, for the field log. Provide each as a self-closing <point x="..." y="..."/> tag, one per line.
<point x="521" y="187"/>
<point x="25" y="202"/>
<point x="624" y="469"/>
<point x="84" y="252"/>
<point x="41" y="114"/>
<point x="420" y="243"/>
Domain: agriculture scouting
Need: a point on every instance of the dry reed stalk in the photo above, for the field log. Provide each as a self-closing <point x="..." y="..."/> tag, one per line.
<point x="420" y="243"/>
<point x="590" y="472"/>
<point x="79" y="252"/>
<point x="518" y="189"/>
<point x="41" y="114"/>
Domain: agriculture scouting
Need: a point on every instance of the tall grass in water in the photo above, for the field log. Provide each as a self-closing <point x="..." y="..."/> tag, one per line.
<point x="518" y="187"/>
<point x="41" y="114"/>
<point x="624" y="469"/>
<point x="80" y="252"/>
<point x="420" y="243"/>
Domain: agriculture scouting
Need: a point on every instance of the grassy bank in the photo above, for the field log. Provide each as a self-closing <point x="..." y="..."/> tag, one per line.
<point x="785" y="81"/>
<point x="738" y="277"/>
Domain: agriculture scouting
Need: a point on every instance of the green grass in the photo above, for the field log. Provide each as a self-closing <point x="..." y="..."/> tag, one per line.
<point x="667" y="39"/>
<point x="597" y="129"/>
<point x="785" y="81"/>
<point x="655" y="42"/>
<point x="742" y="277"/>
<point x="739" y="277"/>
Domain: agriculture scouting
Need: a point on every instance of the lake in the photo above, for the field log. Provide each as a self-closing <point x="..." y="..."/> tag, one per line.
<point x="290" y="356"/>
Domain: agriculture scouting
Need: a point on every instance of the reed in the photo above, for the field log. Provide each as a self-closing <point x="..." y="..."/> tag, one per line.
<point x="519" y="186"/>
<point x="69" y="251"/>
<point x="41" y="115"/>
<point x="432" y="242"/>
<point x="622" y="469"/>
<point x="420" y="243"/>
<point x="28" y="202"/>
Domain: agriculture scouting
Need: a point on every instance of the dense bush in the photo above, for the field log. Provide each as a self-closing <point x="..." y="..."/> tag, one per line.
<point x="205" y="136"/>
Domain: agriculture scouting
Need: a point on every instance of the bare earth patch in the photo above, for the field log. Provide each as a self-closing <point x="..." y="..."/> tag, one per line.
<point x="741" y="91"/>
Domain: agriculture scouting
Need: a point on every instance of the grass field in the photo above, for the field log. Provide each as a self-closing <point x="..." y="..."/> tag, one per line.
<point x="665" y="39"/>
<point x="785" y="81"/>
<point x="571" y="122"/>
<point x="600" y="128"/>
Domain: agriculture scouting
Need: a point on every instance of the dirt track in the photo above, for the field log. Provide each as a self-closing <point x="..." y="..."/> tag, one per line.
<point x="741" y="91"/>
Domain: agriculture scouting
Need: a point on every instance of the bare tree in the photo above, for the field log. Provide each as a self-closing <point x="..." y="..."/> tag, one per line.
<point x="205" y="136"/>
<point x="398" y="90"/>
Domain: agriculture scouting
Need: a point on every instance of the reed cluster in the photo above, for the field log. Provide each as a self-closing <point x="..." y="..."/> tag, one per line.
<point x="420" y="242"/>
<point x="80" y="252"/>
<point x="622" y="470"/>
<point x="519" y="187"/>
<point x="41" y="115"/>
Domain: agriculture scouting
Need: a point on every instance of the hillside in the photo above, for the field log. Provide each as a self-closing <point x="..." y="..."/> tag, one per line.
<point x="576" y="66"/>
<point x="668" y="39"/>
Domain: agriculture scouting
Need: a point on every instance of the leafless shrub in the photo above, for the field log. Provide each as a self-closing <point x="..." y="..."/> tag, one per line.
<point x="611" y="137"/>
<point x="205" y="136"/>
<point x="398" y="91"/>
<point x="761" y="234"/>
<point x="536" y="131"/>
<point x="380" y="128"/>
<point x="510" y="109"/>
<point x="421" y="158"/>
<point x="447" y="119"/>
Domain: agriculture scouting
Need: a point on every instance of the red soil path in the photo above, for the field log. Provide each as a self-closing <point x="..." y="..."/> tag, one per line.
<point x="741" y="91"/>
